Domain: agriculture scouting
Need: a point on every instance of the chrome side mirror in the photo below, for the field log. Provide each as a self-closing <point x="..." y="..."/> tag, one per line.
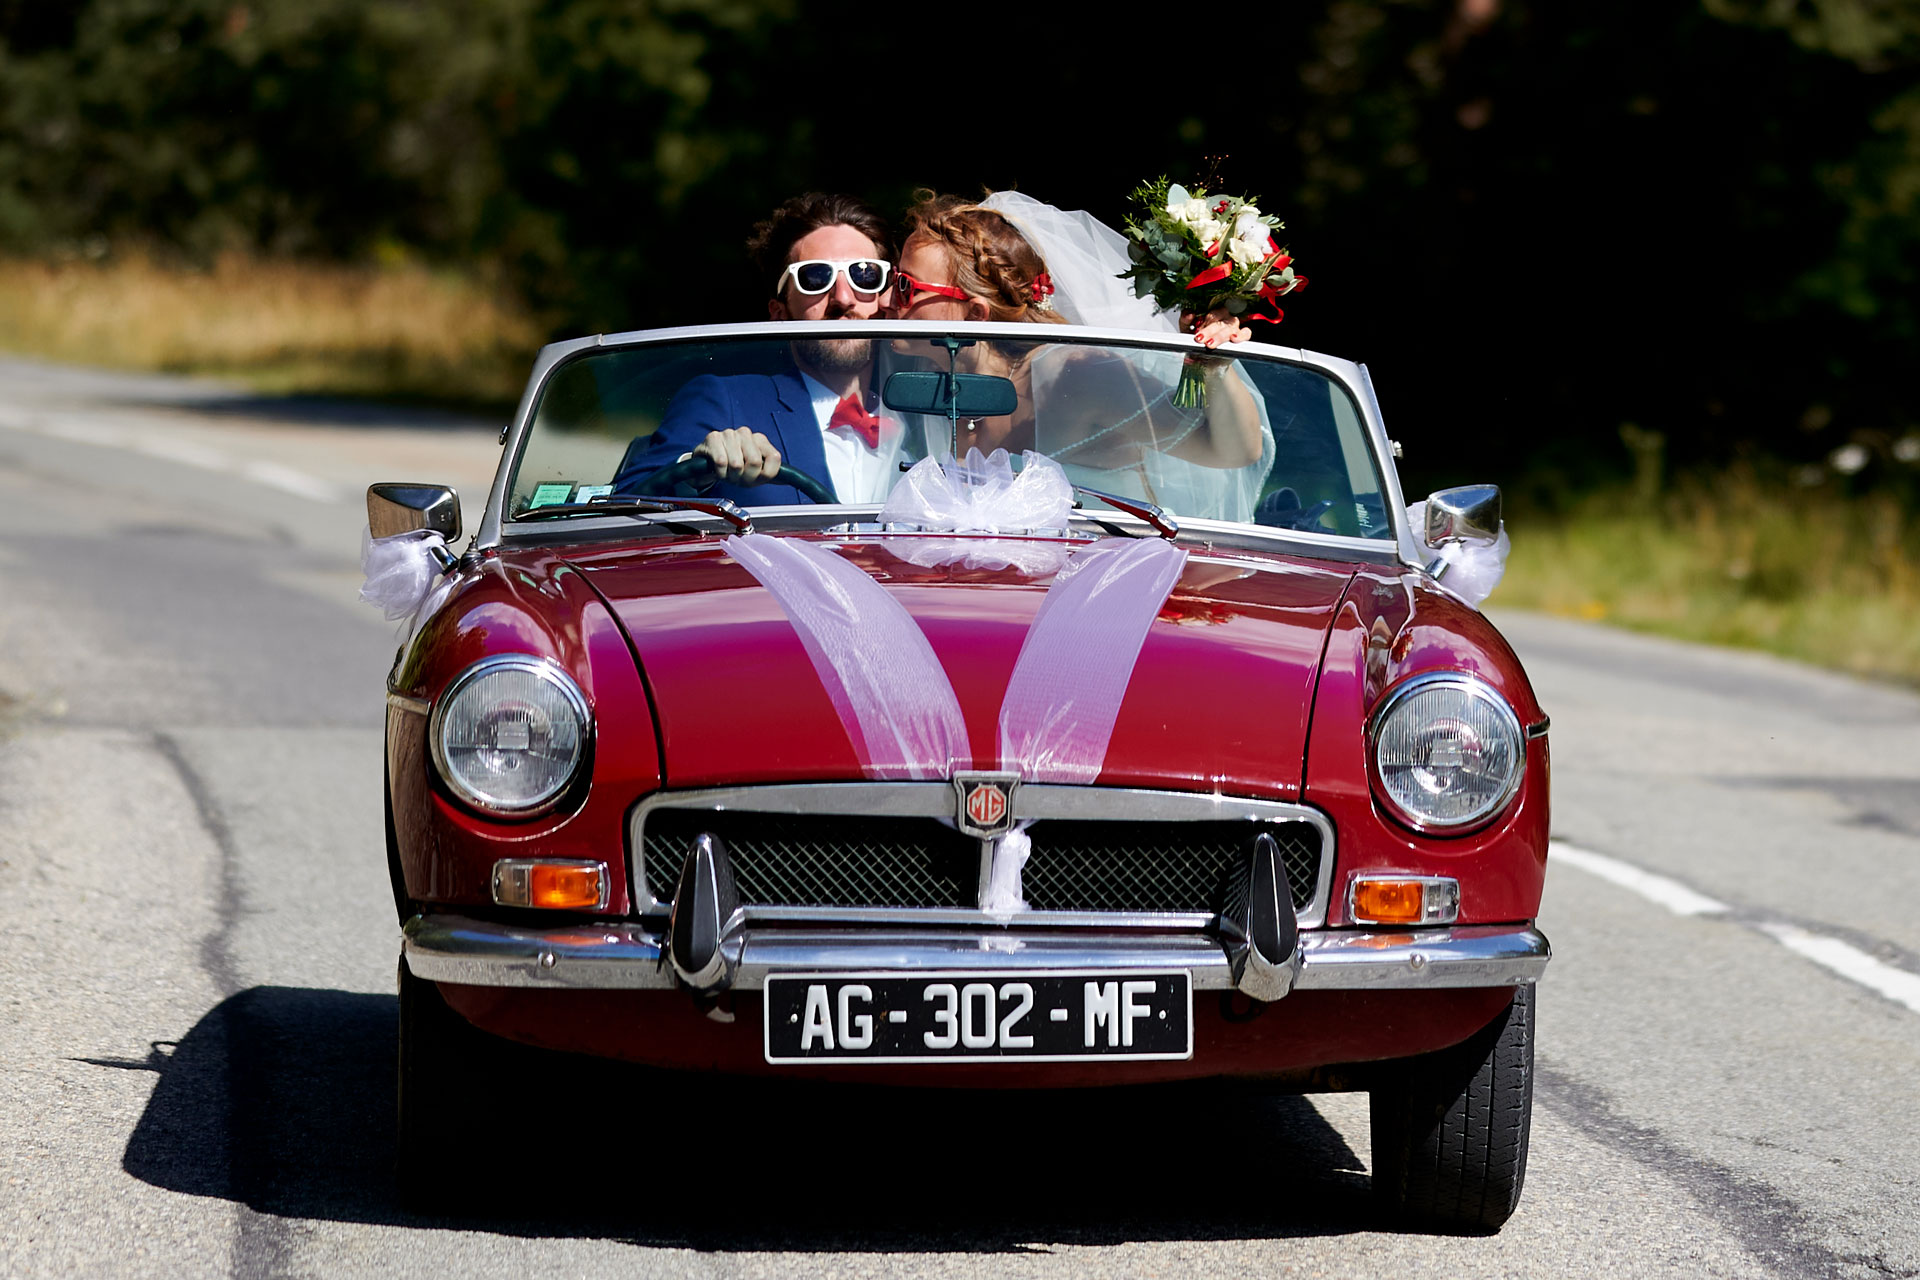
<point x="403" y="508"/>
<point x="1469" y="514"/>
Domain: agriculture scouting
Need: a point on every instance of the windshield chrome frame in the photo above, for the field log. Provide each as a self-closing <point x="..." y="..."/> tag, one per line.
<point x="493" y="529"/>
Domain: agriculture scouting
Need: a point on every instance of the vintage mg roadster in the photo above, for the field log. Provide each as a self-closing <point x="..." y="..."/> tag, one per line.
<point x="1163" y="748"/>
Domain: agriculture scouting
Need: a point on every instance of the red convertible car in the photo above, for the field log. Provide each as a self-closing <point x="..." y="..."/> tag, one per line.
<point x="1158" y="748"/>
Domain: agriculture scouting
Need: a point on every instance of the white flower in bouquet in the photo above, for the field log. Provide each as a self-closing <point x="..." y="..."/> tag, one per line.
<point x="1247" y="252"/>
<point x="1252" y="228"/>
<point x="1196" y="215"/>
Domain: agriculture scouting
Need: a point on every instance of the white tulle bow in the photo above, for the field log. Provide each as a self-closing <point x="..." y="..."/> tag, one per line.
<point x="982" y="495"/>
<point x="1005" y="894"/>
<point x="402" y="572"/>
<point x="1472" y="571"/>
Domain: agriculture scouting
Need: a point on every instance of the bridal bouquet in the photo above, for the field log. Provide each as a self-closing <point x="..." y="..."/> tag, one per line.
<point x="1195" y="251"/>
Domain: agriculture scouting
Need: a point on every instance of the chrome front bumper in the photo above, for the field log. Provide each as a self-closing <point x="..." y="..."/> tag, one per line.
<point x="628" y="957"/>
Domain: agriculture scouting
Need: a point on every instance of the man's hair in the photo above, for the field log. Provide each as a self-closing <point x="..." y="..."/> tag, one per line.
<point x="773" y="239"/>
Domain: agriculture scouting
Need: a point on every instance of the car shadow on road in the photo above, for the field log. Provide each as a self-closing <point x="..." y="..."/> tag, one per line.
<point x="282" y="1099"/>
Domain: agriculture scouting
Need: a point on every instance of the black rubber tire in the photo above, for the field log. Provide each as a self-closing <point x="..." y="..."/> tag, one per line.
<point x="448" y="1070"/>
<point x="1450" y="1128"/>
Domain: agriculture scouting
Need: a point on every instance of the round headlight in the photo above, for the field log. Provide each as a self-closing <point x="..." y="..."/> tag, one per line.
<point x="1447" y="752"/>
<point x="509" y="734"/>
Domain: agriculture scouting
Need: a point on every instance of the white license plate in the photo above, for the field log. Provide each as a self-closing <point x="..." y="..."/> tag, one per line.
<point x="979" y="1017"/>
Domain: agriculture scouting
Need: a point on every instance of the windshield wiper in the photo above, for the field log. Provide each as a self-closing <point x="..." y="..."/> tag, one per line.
<point x="1158" y="517"/>
<point x="721" y="508"/>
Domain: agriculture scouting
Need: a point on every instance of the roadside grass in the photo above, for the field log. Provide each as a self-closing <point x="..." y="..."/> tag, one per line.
<point x="1735" y="559"/>
<point x="399" y="332"/>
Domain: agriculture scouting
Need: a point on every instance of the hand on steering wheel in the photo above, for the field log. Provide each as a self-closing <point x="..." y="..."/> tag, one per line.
<point x="701" y="469"/>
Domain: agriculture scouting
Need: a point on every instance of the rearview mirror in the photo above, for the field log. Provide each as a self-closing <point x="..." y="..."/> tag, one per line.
<point x="951" y="395"/>
<point x="403" y="508"/>
<point x="1469" y="514"/>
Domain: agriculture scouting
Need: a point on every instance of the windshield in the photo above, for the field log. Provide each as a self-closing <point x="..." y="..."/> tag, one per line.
<point x="1259" y="441"/>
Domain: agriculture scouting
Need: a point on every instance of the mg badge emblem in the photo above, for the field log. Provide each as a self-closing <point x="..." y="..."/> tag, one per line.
<point x="985" y="807"/>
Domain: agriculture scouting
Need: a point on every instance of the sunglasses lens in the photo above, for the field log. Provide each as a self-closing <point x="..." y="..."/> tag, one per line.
<point x="813" y="277"/>
<point x="867" y="275"/>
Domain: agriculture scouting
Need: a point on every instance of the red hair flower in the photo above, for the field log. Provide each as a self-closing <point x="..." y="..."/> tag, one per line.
<point x="1041" y="289"/>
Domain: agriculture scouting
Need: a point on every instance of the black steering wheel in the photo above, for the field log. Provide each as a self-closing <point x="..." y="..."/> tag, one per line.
<point x="700" y="468"/>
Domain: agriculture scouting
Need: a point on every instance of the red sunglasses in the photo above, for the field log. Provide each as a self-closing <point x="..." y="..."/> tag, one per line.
<point x="905" y="287"/>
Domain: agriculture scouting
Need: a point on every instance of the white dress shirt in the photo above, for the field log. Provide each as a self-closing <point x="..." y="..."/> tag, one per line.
<point x="859" y="473"/>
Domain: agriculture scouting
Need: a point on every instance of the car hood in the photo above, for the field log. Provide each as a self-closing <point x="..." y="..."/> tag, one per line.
<point x="1219" y="698"/>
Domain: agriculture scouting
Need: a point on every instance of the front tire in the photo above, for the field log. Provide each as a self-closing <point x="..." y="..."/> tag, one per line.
<point x="1450" y="1128"/>
<point x="447" y="1070"/>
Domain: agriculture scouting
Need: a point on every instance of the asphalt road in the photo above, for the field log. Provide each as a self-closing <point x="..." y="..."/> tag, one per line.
<point x="197" y="1003"/>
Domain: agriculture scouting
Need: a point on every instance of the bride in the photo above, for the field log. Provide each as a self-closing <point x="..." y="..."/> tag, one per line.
<point x="1106" y="415"/>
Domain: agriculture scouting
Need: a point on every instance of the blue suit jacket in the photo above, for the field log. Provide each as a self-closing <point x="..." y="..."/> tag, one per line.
<point x="778" y="406"/>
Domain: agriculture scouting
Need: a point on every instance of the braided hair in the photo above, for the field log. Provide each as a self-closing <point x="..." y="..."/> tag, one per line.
<point x="989" y="257"/>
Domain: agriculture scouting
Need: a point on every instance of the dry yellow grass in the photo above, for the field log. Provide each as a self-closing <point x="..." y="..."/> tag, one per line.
<point x="1803" y="572"/>
<point x="400" y="331"/>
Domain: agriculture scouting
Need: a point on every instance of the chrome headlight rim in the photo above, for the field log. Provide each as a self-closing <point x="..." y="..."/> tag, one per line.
<point x="1480" y="691"/>
<point x="549" y="672"/>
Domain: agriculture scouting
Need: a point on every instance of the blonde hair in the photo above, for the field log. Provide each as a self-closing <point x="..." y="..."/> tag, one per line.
<point x="988" y="256"/>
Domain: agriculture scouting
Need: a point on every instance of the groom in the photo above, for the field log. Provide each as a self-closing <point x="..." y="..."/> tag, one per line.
<point x="816" y="416"/>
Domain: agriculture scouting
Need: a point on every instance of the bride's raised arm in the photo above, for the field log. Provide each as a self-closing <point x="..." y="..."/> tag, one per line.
<point x="1229" y="435"/>
<point x="1102" y="407"/>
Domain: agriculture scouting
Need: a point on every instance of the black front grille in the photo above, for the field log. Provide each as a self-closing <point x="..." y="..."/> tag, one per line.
<point x="794" y="860"/>
<point x="1156" y="866"/>
<point x="808" y="860"/>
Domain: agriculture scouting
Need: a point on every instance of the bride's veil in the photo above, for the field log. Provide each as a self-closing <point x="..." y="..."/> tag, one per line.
<point x="1085" y="259"/>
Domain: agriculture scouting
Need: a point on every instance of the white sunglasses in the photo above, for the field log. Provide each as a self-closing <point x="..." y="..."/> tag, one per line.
<point x="816" y="275"/>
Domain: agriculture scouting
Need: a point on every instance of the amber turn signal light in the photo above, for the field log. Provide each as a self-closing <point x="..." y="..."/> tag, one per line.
<point x="551" y="883"/>
<point x="1404" y="900"/>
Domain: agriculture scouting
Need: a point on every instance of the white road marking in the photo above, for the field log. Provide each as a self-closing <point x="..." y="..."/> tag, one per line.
<point x="1656" y="889"/>
<point x="298" y="483"/>
<point x="1850" y="962"/>
<point x="1838" y="957"/>
<point x="272" y="474"/>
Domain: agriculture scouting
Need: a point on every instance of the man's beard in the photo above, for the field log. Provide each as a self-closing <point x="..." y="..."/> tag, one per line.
<point x="834" y="355"/>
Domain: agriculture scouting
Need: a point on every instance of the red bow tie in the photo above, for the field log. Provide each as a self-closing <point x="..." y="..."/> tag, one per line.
<point x="851" y="413"/>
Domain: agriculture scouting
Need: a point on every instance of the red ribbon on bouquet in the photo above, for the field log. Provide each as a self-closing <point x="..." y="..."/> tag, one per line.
<point x="1271" y="296"/>
<point x="1207" y="277"/>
